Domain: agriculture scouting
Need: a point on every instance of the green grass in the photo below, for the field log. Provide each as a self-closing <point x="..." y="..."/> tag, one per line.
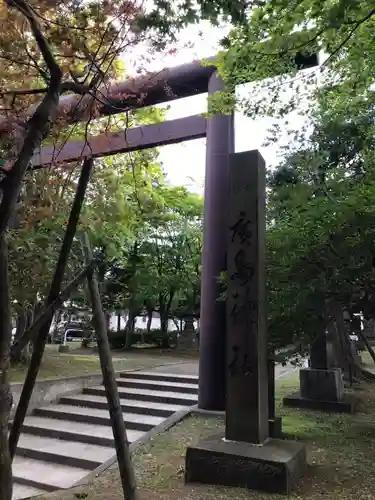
<point x="56" y="365"/>
<point x="340" y="451"/>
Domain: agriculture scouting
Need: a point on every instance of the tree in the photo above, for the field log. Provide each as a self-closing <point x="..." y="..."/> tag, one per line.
<point x="321" y="219"/>
<point x="267" y="50"/>
<point x="161" y="268"/>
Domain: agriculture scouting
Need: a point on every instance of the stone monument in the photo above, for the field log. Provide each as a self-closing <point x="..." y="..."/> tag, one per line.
<point x="322" y="384"/>
<point x="246" y="455"/>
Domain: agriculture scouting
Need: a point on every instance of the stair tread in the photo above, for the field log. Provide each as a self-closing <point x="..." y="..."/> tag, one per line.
<point x="22" y="491"/>
<point x="157" y="383"/>
<point x="130" y="402"/>
<point x="194" y="378"/>
<point x="97" y="412"/>
<point x="152" y="392"/>
<point x="78" y="427"/>
<point x="72" y="449"/>
<point x="47" y="473"/>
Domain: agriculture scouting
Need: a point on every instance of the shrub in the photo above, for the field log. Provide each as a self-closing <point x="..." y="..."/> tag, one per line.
<point x="117" y="339"/>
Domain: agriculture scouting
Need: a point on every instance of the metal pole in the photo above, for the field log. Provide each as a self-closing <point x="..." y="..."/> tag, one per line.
<point x="220" y="144"/>
<point x="109" y="380"/>
<point x="53" y="294"/>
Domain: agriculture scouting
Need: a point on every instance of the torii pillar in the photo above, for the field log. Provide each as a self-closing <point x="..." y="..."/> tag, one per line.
<point x="220" y="144"/>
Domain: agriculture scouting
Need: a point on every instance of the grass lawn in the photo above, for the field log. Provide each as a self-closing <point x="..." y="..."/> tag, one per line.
<point x="341" y="456"/>
<point x="55" y="365"/>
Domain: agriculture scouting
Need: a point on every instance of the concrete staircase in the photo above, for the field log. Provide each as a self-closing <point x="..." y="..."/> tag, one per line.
<point x="61" y="443"/>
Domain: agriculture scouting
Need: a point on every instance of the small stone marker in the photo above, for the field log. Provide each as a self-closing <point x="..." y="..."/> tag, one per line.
<point x="321" y="385"/>
<point x="246" y="456"/>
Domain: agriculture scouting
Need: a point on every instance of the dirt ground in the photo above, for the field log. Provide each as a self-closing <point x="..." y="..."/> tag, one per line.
<point x="341" y="457"/>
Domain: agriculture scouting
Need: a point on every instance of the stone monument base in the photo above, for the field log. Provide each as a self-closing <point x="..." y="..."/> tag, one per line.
<point x="275" y="427"/>
<point x="321" y="390"/>
<point x="274" y="467"/>
<point x="326" y="385"/>
<point x="346" y="405"/>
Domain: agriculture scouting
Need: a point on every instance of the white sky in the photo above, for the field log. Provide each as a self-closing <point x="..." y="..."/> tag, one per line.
<point x="184" y="163"/>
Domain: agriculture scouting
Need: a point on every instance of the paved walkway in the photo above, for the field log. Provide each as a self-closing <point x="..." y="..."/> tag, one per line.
<point x="192" y="368"/>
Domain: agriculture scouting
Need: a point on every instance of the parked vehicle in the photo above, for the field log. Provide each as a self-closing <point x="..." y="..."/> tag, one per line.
<point x="69" y="332"/>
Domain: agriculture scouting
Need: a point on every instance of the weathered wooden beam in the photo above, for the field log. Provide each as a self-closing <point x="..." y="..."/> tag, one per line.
<point x="120" y="437"/>
<point x="53" y="294"/>
<point x="148" y="136"/>
<point x="147" y="90"/>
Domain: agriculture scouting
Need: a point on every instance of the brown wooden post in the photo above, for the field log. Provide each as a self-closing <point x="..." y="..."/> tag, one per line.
<point x="5" y="391"/>
<point x="53" y="294"/>
<point x="109" y="381"/>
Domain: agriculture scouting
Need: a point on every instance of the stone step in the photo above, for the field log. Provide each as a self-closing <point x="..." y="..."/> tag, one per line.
<point x="22" y="491"/>
<point x="72" y="453"/>
<point x="161" y="396"/>
<point x="156" y="384"/>
<point x="127" y="405"/>
<point x="45" y="475"/>
<point x="74" y="431"/>
<point x="96" y="416"/>
<point x="162" y="377"/>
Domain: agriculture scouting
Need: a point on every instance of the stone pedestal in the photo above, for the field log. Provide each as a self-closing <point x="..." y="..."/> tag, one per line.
<point x="321" y="390"/>
<point x="64" y="348"/>
<point x="273" y="467"/>
<point x="321" y="384"/>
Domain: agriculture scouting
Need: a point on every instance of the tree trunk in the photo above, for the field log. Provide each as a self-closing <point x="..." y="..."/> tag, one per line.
<point x="118" y="322"/>
<point x="163" y="312"/>
<point x="178" y="324"/>
<point x="149" y="320"/>
<point x="164" y="322"/>
<point x="129" y="329"/>
<point x="5" y="391"/>
<point x="19" y="356"/>
<point x="189" y="325"/>
<point x="107" y="320"/>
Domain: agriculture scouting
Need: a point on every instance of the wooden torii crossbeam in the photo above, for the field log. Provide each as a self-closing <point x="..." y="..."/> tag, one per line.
<point x="148" y="136"/>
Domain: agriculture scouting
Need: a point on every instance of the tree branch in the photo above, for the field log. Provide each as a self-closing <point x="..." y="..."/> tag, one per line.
<point x="348" y="37"/>
<point x="37" y="126"/>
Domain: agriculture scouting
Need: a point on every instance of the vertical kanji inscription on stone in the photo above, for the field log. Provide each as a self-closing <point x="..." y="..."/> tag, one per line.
<point x="247" y="386"/>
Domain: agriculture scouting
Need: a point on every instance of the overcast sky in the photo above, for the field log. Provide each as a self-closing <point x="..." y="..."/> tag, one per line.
<point x="185" y="163"/>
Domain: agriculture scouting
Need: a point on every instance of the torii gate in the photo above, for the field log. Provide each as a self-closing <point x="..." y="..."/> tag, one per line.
<point x="178" y="82"/>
